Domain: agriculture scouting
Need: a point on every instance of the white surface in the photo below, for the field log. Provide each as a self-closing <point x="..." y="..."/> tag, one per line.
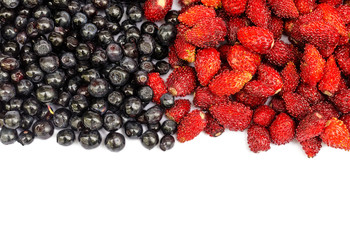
<point x="205" y="189"/>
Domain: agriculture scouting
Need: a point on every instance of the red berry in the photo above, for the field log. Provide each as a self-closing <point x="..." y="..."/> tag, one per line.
<point x="241" y="59"/>
<point x="213" y="128"/>
<point x="297" y="106"/>
<point x="282" y="129"/>
<point x="207" y="65"/>
<point x="312" y="146"/>
<point x="234" y="8"/>
<point x="311" y="126"/>
<point x="264" y="115"/>
<point x="191" y="126"/>
<point x="158" y="86"/>
<point x="329" y="84"/>
<point x="284" y="8"/>
<point x="312" y="66"/>
<point x="311" y="94"/>
<point x="204" y="98"/>
<point x="258" y="139"/>
<point x="290" y="77"/>
<point x="278" y="104"/>
<point x="342" y="101"/>
<point x="156" y="10"/>
<point x="326" y="109"/>
<point x="195" y="13"/>
<point x="259" y="13"/>
<point x="182" y="81"/>
<point x="336" y="134"/>
<point x="179" y="110"/>
<point x="259" y="40"/>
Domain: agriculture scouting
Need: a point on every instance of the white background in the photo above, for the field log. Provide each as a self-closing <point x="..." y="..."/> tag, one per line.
<point x="210" y="188"/>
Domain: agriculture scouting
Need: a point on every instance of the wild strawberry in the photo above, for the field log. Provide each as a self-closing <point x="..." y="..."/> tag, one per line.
<point x="195" y="13"/>
<point x="333" y="3"/>
<point x="191" y="126"/>
<point x="312" y="65"/>
<point x="232" y="115"/>
<point x="258" y="139"/>
<point x="182" y="81"/>
<point x="290" y="77"/>
<point x="311" y="126"/>
<point x="282" y="129"/>
<point x="344" y="13"/>
<point x="224" y="50"/>
<point x="276" y="27"/>
<point x="259" y="13"/>
<point x="204" y="98"/>
<point x="284" y="8"/>
<point x="213" y="128"/>
<point x="310" y="93"/>
<point x="305" y="6"/>
<point x="278" y="104"/>
<point x="281" y="54"/>
<point x="296" y="105"/>
<point x="326" y="109"/>
<point x="182" y="29"/>
<point x="156" y="10"/>
<point x="233" y="26"/>
<point x="249" y="99"/>
<point x="312" y="146"/>
<point x="207" y="65"/>
<point x="179" y="110"/>
<point x="229" y="82"/>
<point x="336" y="134"/>
<point x="256" y="39"/>
<point x="158" y="86"/>
<point x="234" y="8"/>
<point x="343" y="85"/>
<point x="212" y="3"/>
<point x="188" y="2"/>
<point x="241" y="59"/>
<point x="269" y="82"/>
<point x="173" y="59"/>
<point x="322" y="35"/>
<point x="264" y="115"/>
<point x="331" y="79"/>
<point x="346" y="120"/>
<point x="342" y="55"/>
<point x="342" y="101"/>
<point x="330" y="15"/>
<point x="184" y="50"/>
<point x="208" y="32"/>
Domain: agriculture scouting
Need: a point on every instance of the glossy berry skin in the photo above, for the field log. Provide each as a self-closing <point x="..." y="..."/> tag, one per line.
<point x="112" y="122"/>
<point x="115" y="142"/>
<point x="132" y="107"/>
<point x="167" y="142"/>
<point x="25" y="137"/>
<point x="154" y="114"/>
<point x="149" y="139"/>
<point x="145" y="93"/>
<point x="90" y="139"/>
<point x="8" y="136"/>
<point x="167" y="101"/>
<point x="12" y="119"/>
<point x="61" y="118"/>
<point x="65" y="137"/>
<point x="92" y="120"/>
<point x="133" y="129"/>
<point x="43" y="129"/>
<point x="46" y="94"/>
<point x="169" y="127"/>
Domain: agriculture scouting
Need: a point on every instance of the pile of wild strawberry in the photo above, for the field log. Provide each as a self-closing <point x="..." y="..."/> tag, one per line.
<point x="245" y="77"/>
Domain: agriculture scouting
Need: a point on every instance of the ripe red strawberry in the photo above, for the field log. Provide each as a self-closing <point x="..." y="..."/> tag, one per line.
<point x="322" y="35"/>
<point x="258" y="139"/>
<point x="182" y="81"/>
<point x="256" y="39"/>
<point x="312" y="65"/>
<point x="208" y="32"/>
<point x="312" y="146"/>
<point x="232" y="115"/>
<point x="234" y="8"/>
<point x="290" y="77"/>
<point x="342" y="101"/>
<point x="191" y="126"/>
<point x="155" y="10"/>
<point x="281" y="54"/>
<point x="158" y="86"/>
<point x="259" y="13"/>
<point x="284" y="8"/>
<point x="204" y="98"/>
<point x="333" y="3"/>
<point x="311" y="126"/>
<point x="296" y="105"/>
<point x="269" y="82"/>
<point x="213" y="128"/>
<point x="346" y="120"/>
<point x="305" y="6"/>
<point x="184" y="50"/>
<point x="207" y="65"/>
<point x="233" y="25"/>
<point x="331" y="79"/>
<point x="276" y="27"/>
<point x="241" y="59"/>
<point x="212" y="3"/>
<point x="344" y="13"/>
<point x="310" y="93"/>
<point x="179" y="110"/>
<point x="264" y="115"/>
<point x="182" y="29"/>
<point x="330" y="15"/>
<point x="173" y="59"/>
<point x="342" y="55"/>
<point x="278" y="104"/>
<point x="249" y="100"/>
<point x="336" y="134"/>
<point x="282" y="129"/>
<point x="195" y="13"/>
<point x="229" y="82"/>
<point x="326" y="109"/>
<point x="188" y="2"/>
